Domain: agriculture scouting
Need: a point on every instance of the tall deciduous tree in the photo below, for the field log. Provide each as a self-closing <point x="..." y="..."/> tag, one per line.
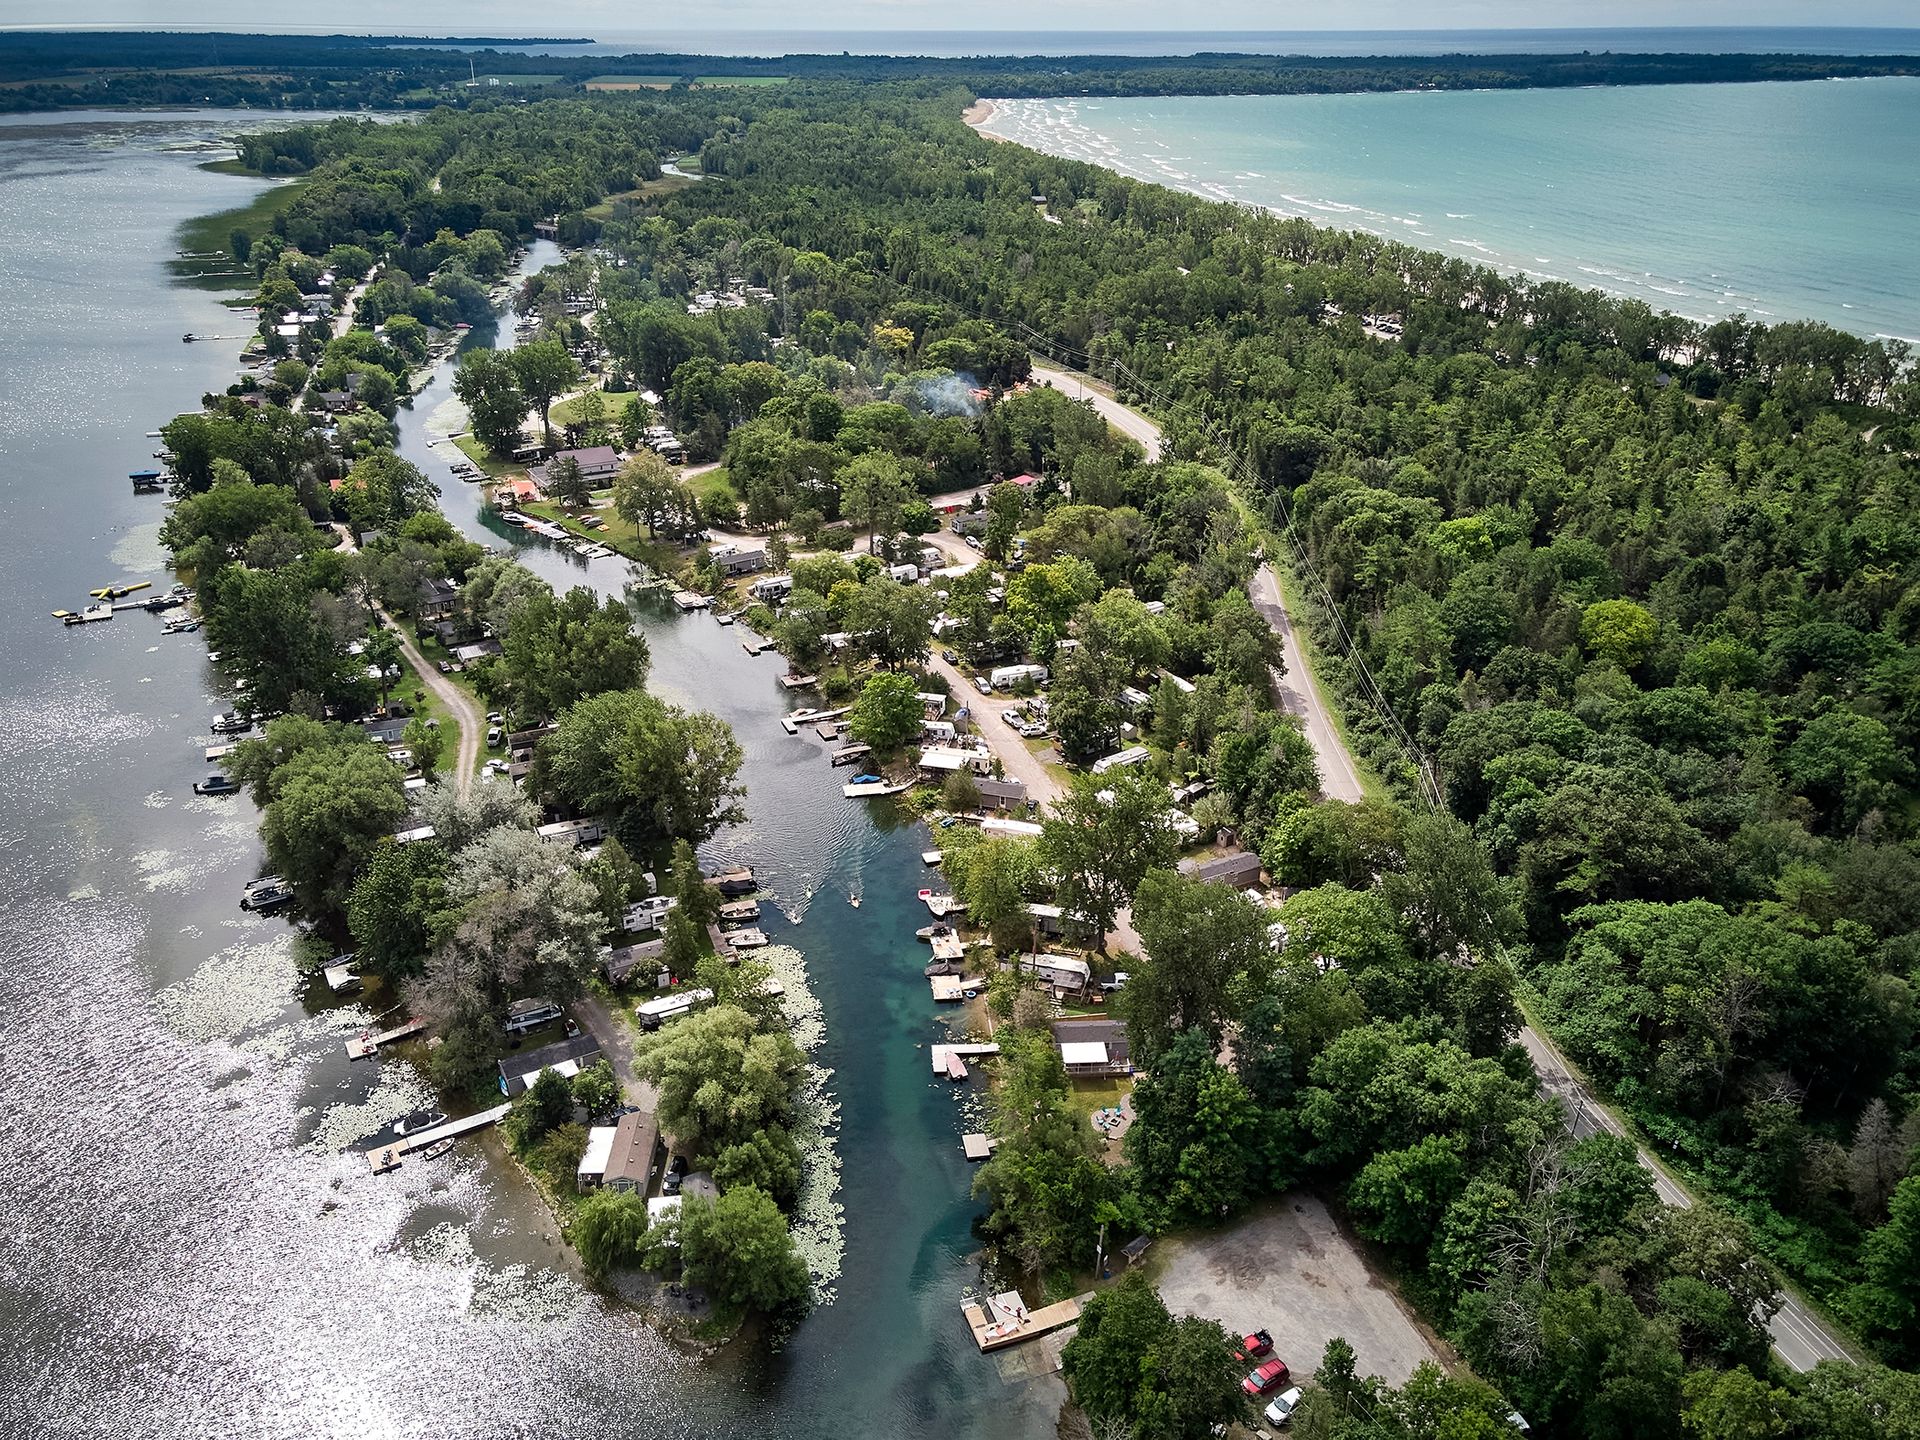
<point x="544" y="370"/>
<point x="1100" y="840"/>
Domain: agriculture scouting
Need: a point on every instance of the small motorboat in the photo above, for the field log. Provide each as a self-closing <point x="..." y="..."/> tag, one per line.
<point x="747" y="939"/>
<point x="854" y="899"/>
<point x="866" y="780"/>
<point x="216" y="784"/>
<point x="419" y="1122"/>
<point x="267" y="897"/>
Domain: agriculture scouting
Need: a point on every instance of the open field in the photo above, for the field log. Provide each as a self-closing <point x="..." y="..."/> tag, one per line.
<point x="1286" y="1267"/>
<point x="667" y="82"/>
<point x="648" y="190"/>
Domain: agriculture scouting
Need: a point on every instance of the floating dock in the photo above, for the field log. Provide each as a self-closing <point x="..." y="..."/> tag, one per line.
<point x="367" y="1042"/>
<point x="977" y="1147"/>
<point x="690" y="600"/>
<point x="927" y="857"/>
<point x="1005" y="1320"/>
<point x="874" y="789"/>
<point x="830" y="731"/>
<point x="387" y="1157"/>
<point x="800" y="682"/>
<point x="847" y="754"/>
<point x="952" y="989"/>
<point x="945" y="1057"/>
<point x="754" y="645"/>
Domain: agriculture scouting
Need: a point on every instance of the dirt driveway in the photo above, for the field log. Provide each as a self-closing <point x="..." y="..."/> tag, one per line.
<point x="1286" y="1268"/>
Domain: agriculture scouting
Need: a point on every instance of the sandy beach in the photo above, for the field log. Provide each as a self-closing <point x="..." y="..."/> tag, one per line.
<point x="978" y="114"/>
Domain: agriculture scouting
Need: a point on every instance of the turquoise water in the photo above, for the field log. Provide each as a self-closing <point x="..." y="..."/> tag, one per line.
<point x="1787" y="201"/>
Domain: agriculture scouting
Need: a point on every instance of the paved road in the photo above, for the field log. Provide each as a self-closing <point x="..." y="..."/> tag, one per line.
<point x="1299" y="693"/>
<point x="1798" y="1337"/>
<point x="1130" y="423"/>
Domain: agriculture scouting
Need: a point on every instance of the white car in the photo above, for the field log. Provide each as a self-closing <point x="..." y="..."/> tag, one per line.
<point x="973" y="542"/>
<point x="1283" y="1406"/>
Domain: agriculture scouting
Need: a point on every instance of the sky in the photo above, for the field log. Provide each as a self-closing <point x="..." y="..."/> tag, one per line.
<point x="629" y="17"/>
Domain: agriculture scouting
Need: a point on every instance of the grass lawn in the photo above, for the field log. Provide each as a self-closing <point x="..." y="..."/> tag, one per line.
<point x="615" y="533"/>
<point x="477" y="453"/>
<point x="1092" y="1095"/>
<point x="715" y="488"/>
<point x="568" y="411"/>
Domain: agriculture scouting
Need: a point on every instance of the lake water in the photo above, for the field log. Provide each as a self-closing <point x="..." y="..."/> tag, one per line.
<point x="194" y="1246"/>
<point x="1691" y="40"/>
<point x="1786" y="201"/>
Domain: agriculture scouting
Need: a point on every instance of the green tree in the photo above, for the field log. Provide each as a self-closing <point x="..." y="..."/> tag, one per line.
<point x="894" y="622"/>
<point x="670" y="773"/>
<point x="332" y="805"/>
<point x="889" y="713"/>
<point x="1200" y="1145"/>
<point x="1887" y="1300"/>
<point x="1132" y="1365"/>
<point x="1619" y="631"/>
<point x="392" y="908"/>
<point x="1201" y="941"/>
<point x="873" y="489"/>
<point x="721" y="1079"/>
<point x="1099" y="849"/>
<point x="567" y="482"/>
<point x="489" y="386"/>
<point x="558" y="651"/>
<point x="425" y="742"/>
<point x="596" y="1091"/>
<point x="545" y="370"/>
<point x="546" y="1105"/>
<point x="739" y="1250"/>
<point x="608" y="1231"/>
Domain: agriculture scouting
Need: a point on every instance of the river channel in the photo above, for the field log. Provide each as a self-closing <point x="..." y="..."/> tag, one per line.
<point x="193" y="1245"/>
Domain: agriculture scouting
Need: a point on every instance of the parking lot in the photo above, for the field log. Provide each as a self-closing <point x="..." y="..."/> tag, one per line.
<point x="1286" y="1267"/>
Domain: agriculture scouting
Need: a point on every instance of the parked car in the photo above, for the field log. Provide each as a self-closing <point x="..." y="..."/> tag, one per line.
<point x="1270" y="1376"/>
<point x="973" y="542"/>
<point x="1251" y="1347"/>
<point x="949" y="657"/>
<point x="1281" y="1409"/>
<point x="494" y="736"/>
<point x="446" y="667"/>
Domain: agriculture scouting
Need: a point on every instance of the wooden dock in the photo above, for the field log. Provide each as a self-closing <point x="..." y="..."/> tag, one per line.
<point x="1005" y="1320"/>
<point x="793" y="720"/>
<point x="951" y="1060"/>
<point x="951" y="989"/>
<point x="847" y="754"/>
<point x="367" y="1042"/>
<point x="754" y="645"/>
<point x="690" y="600"/>
<point x="388" y="1156"/>
<point x="830" y="730"/>
<point x="800" y="682"/>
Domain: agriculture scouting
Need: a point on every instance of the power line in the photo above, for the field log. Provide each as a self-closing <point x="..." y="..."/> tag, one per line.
<point x="1241" y="470"/>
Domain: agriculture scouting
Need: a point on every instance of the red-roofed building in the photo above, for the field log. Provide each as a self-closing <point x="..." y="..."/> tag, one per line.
<point x="1024" y="480"/>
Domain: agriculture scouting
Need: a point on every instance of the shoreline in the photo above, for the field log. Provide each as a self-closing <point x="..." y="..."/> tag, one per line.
<point x="976" y="117"/>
